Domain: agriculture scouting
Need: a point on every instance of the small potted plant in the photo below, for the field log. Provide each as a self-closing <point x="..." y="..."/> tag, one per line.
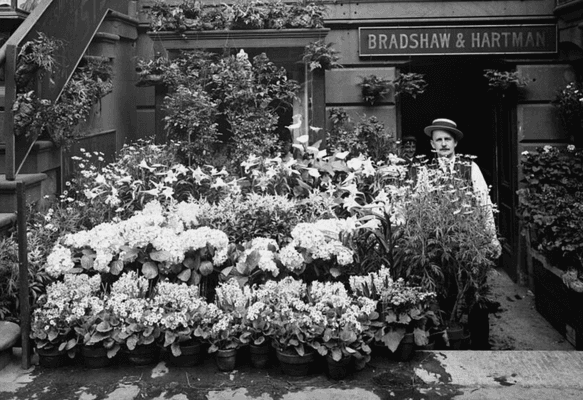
<point x="55" y="316"/>
<point x="410" y="83"/>
<point x="138" y="327"/>
<point x="321" y="55"/>
<point x="374" y="88"/>
<point x="346" y="334"/>
<point x="182" y="311"/>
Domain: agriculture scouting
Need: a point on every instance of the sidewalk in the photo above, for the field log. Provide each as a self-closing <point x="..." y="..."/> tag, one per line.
<point x="429" y="375"/>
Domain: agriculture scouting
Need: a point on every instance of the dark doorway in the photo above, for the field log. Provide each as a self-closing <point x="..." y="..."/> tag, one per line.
<point x="456" y="90"/>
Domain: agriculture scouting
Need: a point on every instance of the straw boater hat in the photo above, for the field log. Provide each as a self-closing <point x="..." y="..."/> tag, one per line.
<point x="446" y="125"/>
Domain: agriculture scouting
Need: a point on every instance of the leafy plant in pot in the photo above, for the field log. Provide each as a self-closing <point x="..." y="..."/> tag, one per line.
<point x="374" y="88"/>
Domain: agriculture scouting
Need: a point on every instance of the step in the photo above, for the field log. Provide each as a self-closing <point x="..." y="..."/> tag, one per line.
<point x="9" y="336"/>
<point x="33" y="190"/>
<point x="44" y="156"/>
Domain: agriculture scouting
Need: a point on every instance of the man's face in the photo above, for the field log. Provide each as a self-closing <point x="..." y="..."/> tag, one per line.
<point x="409" y="148"/>
<point x="443" y="143"/>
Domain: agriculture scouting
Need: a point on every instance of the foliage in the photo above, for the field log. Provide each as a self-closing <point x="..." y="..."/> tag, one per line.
<point x="36" y="55"/>
<point x="222" y="109"/>
<point x="192" y="15"/>
<point x="367" y="137"/>
<point x="446" y="244"/>
<point x="410" y="83"/>
<point x="182" y="313"/>
<point x="501" y="81"/>
<point x="56" y="313"/>
<point x="34" y="116"/>
<point x="402" y="308"/>
<point x="374" y="88"/>
<point x="320" y="54"/>
<point x="569" y="103"/>
<point x="156" y="242"/>
<point x="551" y="203"/>
<point x="347" y="322"/>
<point x="232" y="302"/>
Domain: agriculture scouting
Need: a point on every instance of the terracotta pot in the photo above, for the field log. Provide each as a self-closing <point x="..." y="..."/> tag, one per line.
<point x="259" y="355"/>
<point x="405" y="350"/>
<point x="191" y="354"/>
<point x="338" y="369"/>
<point x="95" y="357"/>
<point x="143" y="354"/>
<point x="294" y="364"/>
<point x="226" y="359"/>
<point x="52" y="358"/>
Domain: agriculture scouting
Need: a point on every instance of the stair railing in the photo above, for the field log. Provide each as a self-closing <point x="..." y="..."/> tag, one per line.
<point x="74" y="22"/>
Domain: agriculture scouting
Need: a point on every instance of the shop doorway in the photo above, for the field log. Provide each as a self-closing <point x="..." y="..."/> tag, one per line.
<point x="458" y="90"/>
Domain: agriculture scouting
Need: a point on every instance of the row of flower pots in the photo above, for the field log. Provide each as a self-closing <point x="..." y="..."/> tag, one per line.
<point x="258" y="357"/>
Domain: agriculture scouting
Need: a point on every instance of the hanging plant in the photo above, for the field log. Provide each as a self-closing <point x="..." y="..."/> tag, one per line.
<point x="36" y="55"/>
<point x="410" y="83"/>
<point x="375" y="88"/>
<point x="502" y="81"/>
<point x="569" y="103"/>
<point x="320" y="54"/>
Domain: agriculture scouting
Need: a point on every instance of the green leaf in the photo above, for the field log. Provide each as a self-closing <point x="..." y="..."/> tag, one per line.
<point x="184" y="276"/>
<point x="103" y="326"/>
<point x="87" y="262"/>
<point x="116" y="267"/>
<point x="150" y="270"/>
<point x="160" y="256"/>
<point x="393" y="338"/>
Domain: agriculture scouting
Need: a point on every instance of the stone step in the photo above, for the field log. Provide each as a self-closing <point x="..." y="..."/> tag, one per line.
<point x="33" y="190"/>
<point x="9" y="336"/>
<point x="44" y="156"/>
<point x="7" y="222"/>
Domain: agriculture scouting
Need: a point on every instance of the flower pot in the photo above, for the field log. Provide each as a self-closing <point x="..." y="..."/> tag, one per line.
<point x="259" y="355"/>
<point x="294" y="364"/>
<point x="191" y="354"/>
<point x="52" y="358"/>
<point x="143" y="354"/>
<point x="455" y="337"/>
<point x="405" y="350"/>
<point x="226" y="359"/>
<point x="95" y="357"/>
<point x="338" y="369"/>
<point x="438" y="339"/>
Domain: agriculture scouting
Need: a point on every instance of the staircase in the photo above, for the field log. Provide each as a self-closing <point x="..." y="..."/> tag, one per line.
<point x="39" y="164"/>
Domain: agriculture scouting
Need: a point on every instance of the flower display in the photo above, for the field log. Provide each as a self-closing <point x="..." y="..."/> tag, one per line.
<point x="157" y="240"/>
<point x="60" y="309"/>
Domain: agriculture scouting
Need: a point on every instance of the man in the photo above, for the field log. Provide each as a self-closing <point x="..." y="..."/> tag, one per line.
<point x="445" y="136"/>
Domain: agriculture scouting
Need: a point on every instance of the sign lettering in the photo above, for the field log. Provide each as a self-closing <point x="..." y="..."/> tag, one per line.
<point x="455" y="40"/>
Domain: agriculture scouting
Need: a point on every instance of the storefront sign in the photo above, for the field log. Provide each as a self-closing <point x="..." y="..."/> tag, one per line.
<point x="457" y="40"/>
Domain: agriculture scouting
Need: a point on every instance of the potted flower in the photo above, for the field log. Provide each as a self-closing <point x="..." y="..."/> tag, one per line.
<point x="95" y="334"/>
<point x="138" y="327"/>
<point x="55" y="316"/>
<point x="226" y="327"/>
<point x="317" y="251"/>
<point x="347" y="322"/>
<point x="404" y="311"/>
<point x="374" y="88"/>
<point x="297" y="325"/>
<point x="321" y="55"/>
<point x="182" y="311"/>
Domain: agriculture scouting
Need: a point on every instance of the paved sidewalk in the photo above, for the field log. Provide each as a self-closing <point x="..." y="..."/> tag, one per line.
<point x="470" y="375"/>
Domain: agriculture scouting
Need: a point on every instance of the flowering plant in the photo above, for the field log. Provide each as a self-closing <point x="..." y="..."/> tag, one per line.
<point x="60" y="309"/>
<point x="231" y="301"/>
<point x="347" y="322"/>
<point x="138" y="318"/>
<point x="320" y="54"/>
<point x="403" y="309"/>
<point x="569" y="102"/>
<point x="258" y="327"/>
<point x="156" y="241"/>
<point x="297" y="324"/>
<point x="550" y="204"/>
<point x="316" y="250"/>
<point x="254" y="262"/>
<point x="181" y="311"/>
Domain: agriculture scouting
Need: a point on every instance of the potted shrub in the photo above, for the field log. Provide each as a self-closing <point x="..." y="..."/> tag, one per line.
<point x="321" y="55"/>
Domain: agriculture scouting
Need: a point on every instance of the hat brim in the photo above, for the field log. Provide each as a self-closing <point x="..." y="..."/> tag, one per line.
<point x="457" y="134"/>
